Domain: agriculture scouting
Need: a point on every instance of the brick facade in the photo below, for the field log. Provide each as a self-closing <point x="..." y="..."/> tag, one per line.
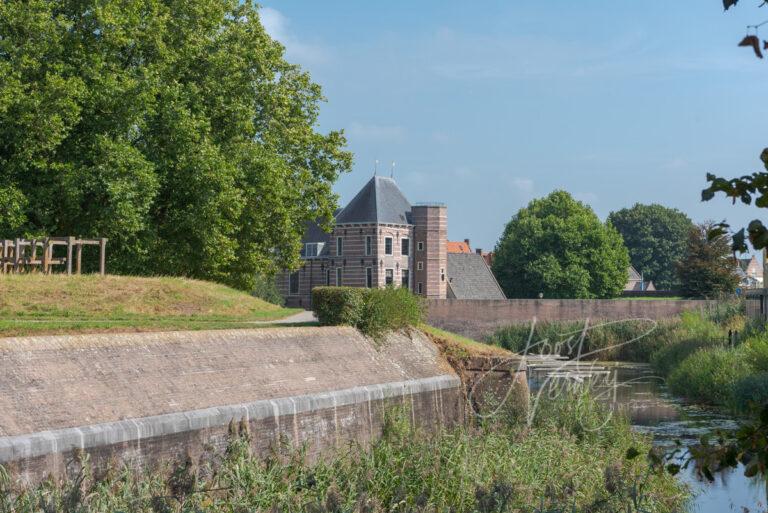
<point x="372" y="250"/>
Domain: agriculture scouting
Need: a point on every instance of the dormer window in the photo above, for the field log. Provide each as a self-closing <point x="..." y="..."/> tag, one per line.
<point x="313" y="249"/>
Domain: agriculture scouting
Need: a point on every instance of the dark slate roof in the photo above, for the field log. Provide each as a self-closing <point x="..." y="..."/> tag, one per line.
<point x="469" y="277"/>
<point x="379" y="201"/>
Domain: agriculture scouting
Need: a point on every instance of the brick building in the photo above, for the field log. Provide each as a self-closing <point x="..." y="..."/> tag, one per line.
<point x="379" y="239"/>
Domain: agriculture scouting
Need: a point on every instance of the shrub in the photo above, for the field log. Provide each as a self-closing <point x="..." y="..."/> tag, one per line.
<point x="372" y="311"/>
<point x="264" y="287"/>
<point x="750" y="392"/>
<point x="694" y="331"/>
<point x="338" y="306"/>
<point x="710" y="375"/>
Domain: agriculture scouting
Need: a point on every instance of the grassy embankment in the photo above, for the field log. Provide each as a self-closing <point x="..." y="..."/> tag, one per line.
<point x="692" y="352"/>
<point x="38" y="304"/>
<point x="572" y="459"/>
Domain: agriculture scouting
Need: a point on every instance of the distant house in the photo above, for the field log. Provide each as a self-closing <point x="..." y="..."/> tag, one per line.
<point x="636" y="283"/>
<point x="469" y="275"/>
<point x="750" y="272"/>
<point x="379" y="239"/>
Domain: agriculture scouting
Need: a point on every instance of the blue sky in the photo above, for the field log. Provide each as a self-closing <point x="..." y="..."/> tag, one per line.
<point x="487" y="105"/>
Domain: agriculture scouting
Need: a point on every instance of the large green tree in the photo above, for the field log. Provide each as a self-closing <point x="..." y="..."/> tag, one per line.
<point x="708" y="269"/>
<point x="557" y="246"/>
<point x="655" y="236"/>
<point x="173" y="127"/>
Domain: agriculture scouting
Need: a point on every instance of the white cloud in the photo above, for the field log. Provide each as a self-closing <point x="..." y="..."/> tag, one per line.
<point x="375" y="133"/>
<point x="523" y="185"/>
<point x="277" y="26"/>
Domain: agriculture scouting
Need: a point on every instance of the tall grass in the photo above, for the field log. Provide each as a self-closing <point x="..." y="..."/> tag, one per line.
<point x="572" y="459"/>
<point x="631" y="340"/>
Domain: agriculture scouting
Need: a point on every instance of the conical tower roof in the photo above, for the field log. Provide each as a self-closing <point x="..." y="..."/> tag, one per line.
<point x="379" y="201"/>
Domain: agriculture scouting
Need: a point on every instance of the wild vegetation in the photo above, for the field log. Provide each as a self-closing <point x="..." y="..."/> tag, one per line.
<point x="39" y="304"/>
<point x="372" y="311"/>
<point x="713" y="357"/>
<point x="573" y="458"/>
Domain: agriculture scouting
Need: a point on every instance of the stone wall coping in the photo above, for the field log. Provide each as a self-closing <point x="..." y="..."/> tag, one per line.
<point x="74" y="341"/>
<point x="32" y="445"/>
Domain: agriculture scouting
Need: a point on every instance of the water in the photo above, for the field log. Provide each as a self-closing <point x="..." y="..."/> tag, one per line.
<point x="635" y="389"/>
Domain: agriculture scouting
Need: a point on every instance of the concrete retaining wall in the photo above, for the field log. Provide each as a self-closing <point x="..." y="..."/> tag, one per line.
<point x="142" y="399"/>
<point x="480" y="318"/>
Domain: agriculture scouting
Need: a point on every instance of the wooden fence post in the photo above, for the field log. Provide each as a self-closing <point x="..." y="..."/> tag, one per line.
<point x="79" y="255"/>
<point x="102" y="256"/>
<point x="46" y="257"/>
<point x="70" y="243"/>
<point x="3" y="255"/>
<point x="16" y="255"/>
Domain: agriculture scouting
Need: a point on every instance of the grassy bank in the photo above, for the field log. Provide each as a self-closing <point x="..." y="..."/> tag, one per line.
<point x="693" y="352"/>
<point x="38" y="304"/>
<point x="571" y="459"/>
<point x="633" y="340"/>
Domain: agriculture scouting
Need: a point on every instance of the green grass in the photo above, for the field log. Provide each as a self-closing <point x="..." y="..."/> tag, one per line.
<point x="571" y="459"/>
<point x="461" y="347"/>
<point x="37" y="304"/>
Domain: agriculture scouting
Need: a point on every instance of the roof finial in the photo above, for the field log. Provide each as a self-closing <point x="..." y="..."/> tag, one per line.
<point x="392" y="171"/>
<point x="375" y="167"/>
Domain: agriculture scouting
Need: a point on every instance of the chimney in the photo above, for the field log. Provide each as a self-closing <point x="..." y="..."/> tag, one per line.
<point x="466" y="241"/>
<point x="479" y="251"/>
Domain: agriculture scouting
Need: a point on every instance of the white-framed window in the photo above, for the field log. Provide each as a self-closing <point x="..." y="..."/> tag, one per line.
<point x="405" y="247"/>
<point x="369" y="277"/>
<point x="389" y="277"/>
<point x="387" y="245"/>
<point x="313" y="249"/>
<point x="420" y="246"/>
<point x="419" y="288"/>
<point x="338" y="276"/>
<point x="419" y="266"/>
<point x="368" y="245"/>
<point x="405" y="279"/>
<point x="293" y="284"/>
<point x="339" y="246"/>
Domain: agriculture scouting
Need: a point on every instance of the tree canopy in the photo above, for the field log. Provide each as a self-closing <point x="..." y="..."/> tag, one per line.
<point x="557" y="246"/>
<point x="708" y="269"/>
<point x="175" y="128"/>
<point x="655" y="236"/>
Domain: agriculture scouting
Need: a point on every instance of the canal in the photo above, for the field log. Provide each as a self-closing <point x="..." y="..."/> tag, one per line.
<point x="634" y="389"/>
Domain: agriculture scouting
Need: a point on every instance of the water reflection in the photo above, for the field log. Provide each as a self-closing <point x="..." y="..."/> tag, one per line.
<point x="633" y="388"/>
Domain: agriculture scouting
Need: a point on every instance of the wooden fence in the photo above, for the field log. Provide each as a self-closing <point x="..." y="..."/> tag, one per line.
<point x="31" y="255"/>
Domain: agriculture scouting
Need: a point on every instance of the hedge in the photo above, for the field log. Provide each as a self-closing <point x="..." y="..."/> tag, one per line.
<point x="372" y="311"/>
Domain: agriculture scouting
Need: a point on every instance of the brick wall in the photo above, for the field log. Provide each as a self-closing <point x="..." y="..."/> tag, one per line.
<point x="480" y="318"/>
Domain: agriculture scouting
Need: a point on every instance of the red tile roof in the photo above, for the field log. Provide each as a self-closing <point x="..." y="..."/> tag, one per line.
<point x="458" y="247"/>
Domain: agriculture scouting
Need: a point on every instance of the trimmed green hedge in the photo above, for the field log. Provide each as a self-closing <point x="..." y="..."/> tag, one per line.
<point x="372" y="311"/>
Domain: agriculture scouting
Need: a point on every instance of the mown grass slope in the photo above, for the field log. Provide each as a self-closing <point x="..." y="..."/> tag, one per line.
<point x="39" y="304"/>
